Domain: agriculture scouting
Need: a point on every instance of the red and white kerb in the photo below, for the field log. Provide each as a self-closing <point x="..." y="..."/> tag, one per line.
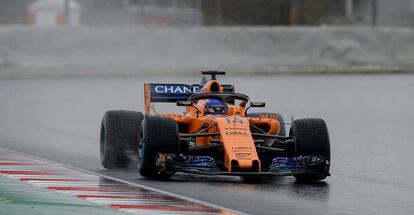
<point x="98" y="189"/>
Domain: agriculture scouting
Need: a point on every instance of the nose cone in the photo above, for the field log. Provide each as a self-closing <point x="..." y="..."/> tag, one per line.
<point x="240" y="150"/>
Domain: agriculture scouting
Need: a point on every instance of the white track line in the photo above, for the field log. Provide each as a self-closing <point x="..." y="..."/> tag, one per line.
<point x="94" y="174"/>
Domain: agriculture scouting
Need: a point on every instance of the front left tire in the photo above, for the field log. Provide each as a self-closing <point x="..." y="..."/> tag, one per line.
<point x="158" y="137"/>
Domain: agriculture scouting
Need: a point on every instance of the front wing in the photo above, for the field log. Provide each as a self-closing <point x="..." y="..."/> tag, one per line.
<point x="281" y="166"/>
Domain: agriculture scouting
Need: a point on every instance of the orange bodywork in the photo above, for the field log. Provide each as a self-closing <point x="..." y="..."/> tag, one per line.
<point x="233" y="129"/>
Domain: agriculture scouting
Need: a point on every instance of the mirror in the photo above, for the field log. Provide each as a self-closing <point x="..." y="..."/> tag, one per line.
<point x="257" y="104"/>
<point x="184" y="103"/>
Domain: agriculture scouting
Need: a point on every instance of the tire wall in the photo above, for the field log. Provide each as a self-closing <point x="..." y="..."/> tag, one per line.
<point x="130" y="51"/>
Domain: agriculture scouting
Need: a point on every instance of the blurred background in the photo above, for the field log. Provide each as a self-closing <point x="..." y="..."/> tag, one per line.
<point x="138" y="37"/>
<point x="206" y="12"/>
<point x="63" y="63"/>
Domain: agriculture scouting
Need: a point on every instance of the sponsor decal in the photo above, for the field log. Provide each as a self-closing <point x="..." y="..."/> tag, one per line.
<point x="196" y="88"/>
<point x="236" y="133"/>
<point x="235" y="129"/>
<point x="242" y="155"/>
<point x="241" y="149"/>
<point x="174" y="89"/>
<point x="243" y="158"/>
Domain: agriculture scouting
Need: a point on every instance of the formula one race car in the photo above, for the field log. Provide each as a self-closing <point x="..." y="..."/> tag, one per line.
<point x="216" y="135"/>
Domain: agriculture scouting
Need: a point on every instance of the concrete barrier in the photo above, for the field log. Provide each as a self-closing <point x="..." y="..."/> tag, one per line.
<point x="120" y="51"/>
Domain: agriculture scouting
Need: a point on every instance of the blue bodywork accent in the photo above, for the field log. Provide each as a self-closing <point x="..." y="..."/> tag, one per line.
<point x="203" y="163"/>
<point x="289" y="164"/>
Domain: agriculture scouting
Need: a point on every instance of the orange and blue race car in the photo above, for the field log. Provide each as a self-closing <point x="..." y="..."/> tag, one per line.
<point x="216" y="135"/>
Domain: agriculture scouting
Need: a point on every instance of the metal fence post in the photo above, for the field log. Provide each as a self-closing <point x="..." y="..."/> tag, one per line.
<point x="349" y="9"/>
<point x="294" y="12"/>
<point x="374" y="12"/>
<point x="218" y="12"/>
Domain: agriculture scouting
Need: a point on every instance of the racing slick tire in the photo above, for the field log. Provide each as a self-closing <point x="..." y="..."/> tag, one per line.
<point x="119" y="132"/>
<point x="312" y="139"/>
<point x="157" y="135"/>
<point x="282" y="131"/>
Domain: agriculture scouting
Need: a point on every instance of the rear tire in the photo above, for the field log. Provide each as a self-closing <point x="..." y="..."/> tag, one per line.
<point x="119" y="132"/>
<point x="282" y="131"/>
<point x="159" y="136"/>
<point x="312" y="139"/>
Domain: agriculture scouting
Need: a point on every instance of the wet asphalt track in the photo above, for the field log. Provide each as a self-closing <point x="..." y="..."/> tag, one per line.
<point x="370" y="118"/>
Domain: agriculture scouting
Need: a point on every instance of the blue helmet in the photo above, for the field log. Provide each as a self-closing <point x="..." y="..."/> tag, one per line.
<point x="214" y="106"/>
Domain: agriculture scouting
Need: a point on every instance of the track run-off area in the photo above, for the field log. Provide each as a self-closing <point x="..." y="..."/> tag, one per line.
<point x="369" y="118"/>
<point x="98" y="189"/>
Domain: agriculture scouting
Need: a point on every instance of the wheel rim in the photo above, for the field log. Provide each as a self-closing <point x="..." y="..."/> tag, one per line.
<point x="140" y="147"/>
<point x="158" y="164"/>
<point x="103" y="147"/>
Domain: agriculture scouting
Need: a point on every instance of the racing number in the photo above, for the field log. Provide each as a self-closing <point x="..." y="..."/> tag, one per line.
<point x="230" y="120"/>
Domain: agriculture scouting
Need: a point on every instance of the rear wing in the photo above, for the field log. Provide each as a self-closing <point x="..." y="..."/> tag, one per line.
<point x="159" y="92"/>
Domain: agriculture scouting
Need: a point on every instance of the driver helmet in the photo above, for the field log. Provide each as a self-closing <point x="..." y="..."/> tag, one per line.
<point x="214" y="106"/>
